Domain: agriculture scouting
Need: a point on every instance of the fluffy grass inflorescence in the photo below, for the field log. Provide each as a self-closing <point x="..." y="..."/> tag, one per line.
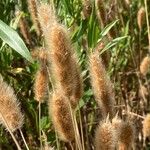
<point x="145" y="65"/>
<point x="46" y="17"/>
<point x="24" y="29"/>
<point x="10" y="109"/>
<point x="101" y="85"/>
<point x="146" y="126"/>
<point x="41" y="84"/>
<point x="64" y="67"/>
<point x="105" y="138"/>
<point x="141" y="17"/>
<point x="32" y="6"/>
<point x="125" y="133"/>
<point x="60" y="112"/>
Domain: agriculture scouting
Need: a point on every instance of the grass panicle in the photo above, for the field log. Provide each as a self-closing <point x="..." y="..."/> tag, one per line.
<point x="41" y="84"/>
<point x="141" y="17"/>
<point x="10" y="107"/>
<point x="105" y="138"/>
<point x="64" y="67"/>
<point x="102" y="15"/>
<point x="24" y="29"/>
<point x="101" y="84"/>
<point x="146" y="126"/>
<point x="145" y="65"/>
<point x="32" y="6"/>
<point x="60" y="112"/>
<point x="125" y="135"/>
<point x="87" y="8"/>
<point x="47" y="17"/>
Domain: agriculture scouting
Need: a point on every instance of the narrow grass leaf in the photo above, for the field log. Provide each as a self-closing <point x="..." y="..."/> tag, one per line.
<point x="107" y="28"/>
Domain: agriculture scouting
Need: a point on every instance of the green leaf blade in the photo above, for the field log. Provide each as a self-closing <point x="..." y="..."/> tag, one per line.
<point x="11" y="37"/>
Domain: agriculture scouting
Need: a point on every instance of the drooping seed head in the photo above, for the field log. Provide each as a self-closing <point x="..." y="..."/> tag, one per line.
<point x="60" y="112"/>
<point x="9" y="107"/>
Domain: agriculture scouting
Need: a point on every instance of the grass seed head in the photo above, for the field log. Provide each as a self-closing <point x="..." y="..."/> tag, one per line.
<point x="60" y="112"/>
<point x="87" y="8"/>
<point x="126" y="135"/>
<point x="105" y="136"/>
<point x="24" y="29"/>
<point x="141" y="17"/>
<point x="9" y="107"/>
<point x="32" y="6"/>
<point x="41" y="84"/>
<point x="101" y="85"/>
<point x="46" y="16"/>
<point x="64" y="65"/>
<point x="145" y="65"/>
<point x="146" y="126"/>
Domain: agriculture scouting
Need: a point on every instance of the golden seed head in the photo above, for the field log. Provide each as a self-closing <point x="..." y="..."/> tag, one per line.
<point x="146" y="126"/>
<point x="60" y="111"/>
<point x="101" y="84"/>
<point x="41" y="84"/>
<point x="141" y="17"/>
<point x="9" y="107"/>
<point x="145" y="65"/>
<point x="105" y="136"/>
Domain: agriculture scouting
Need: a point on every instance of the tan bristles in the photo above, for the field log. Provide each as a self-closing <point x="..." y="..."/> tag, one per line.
<point x="102" y="17"/>
<point x="60" y="111"/>
<point x="127" y="2"/>
<point x="101" y="12"/>
<point x="24" y="29"/>
<point x="145" y="65"/>
<point x="41" y="54"/>
<point x="64" y="66"/>
<point x="101" y="85"/>
<point x="32" y="6"/>
<point x="41" y="84"/>
<point x="105" y="136"/>
<point x="141" y="17"/>
<point x="87" y="8"/>
<point x="146" y="126"/>
<point x="125" y="135"/>
<point x="10" y="109"/>
<point x="46" y="16"/>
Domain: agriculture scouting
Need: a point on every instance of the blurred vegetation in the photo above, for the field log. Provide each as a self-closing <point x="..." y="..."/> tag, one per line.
<point x="122" y="55"/>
